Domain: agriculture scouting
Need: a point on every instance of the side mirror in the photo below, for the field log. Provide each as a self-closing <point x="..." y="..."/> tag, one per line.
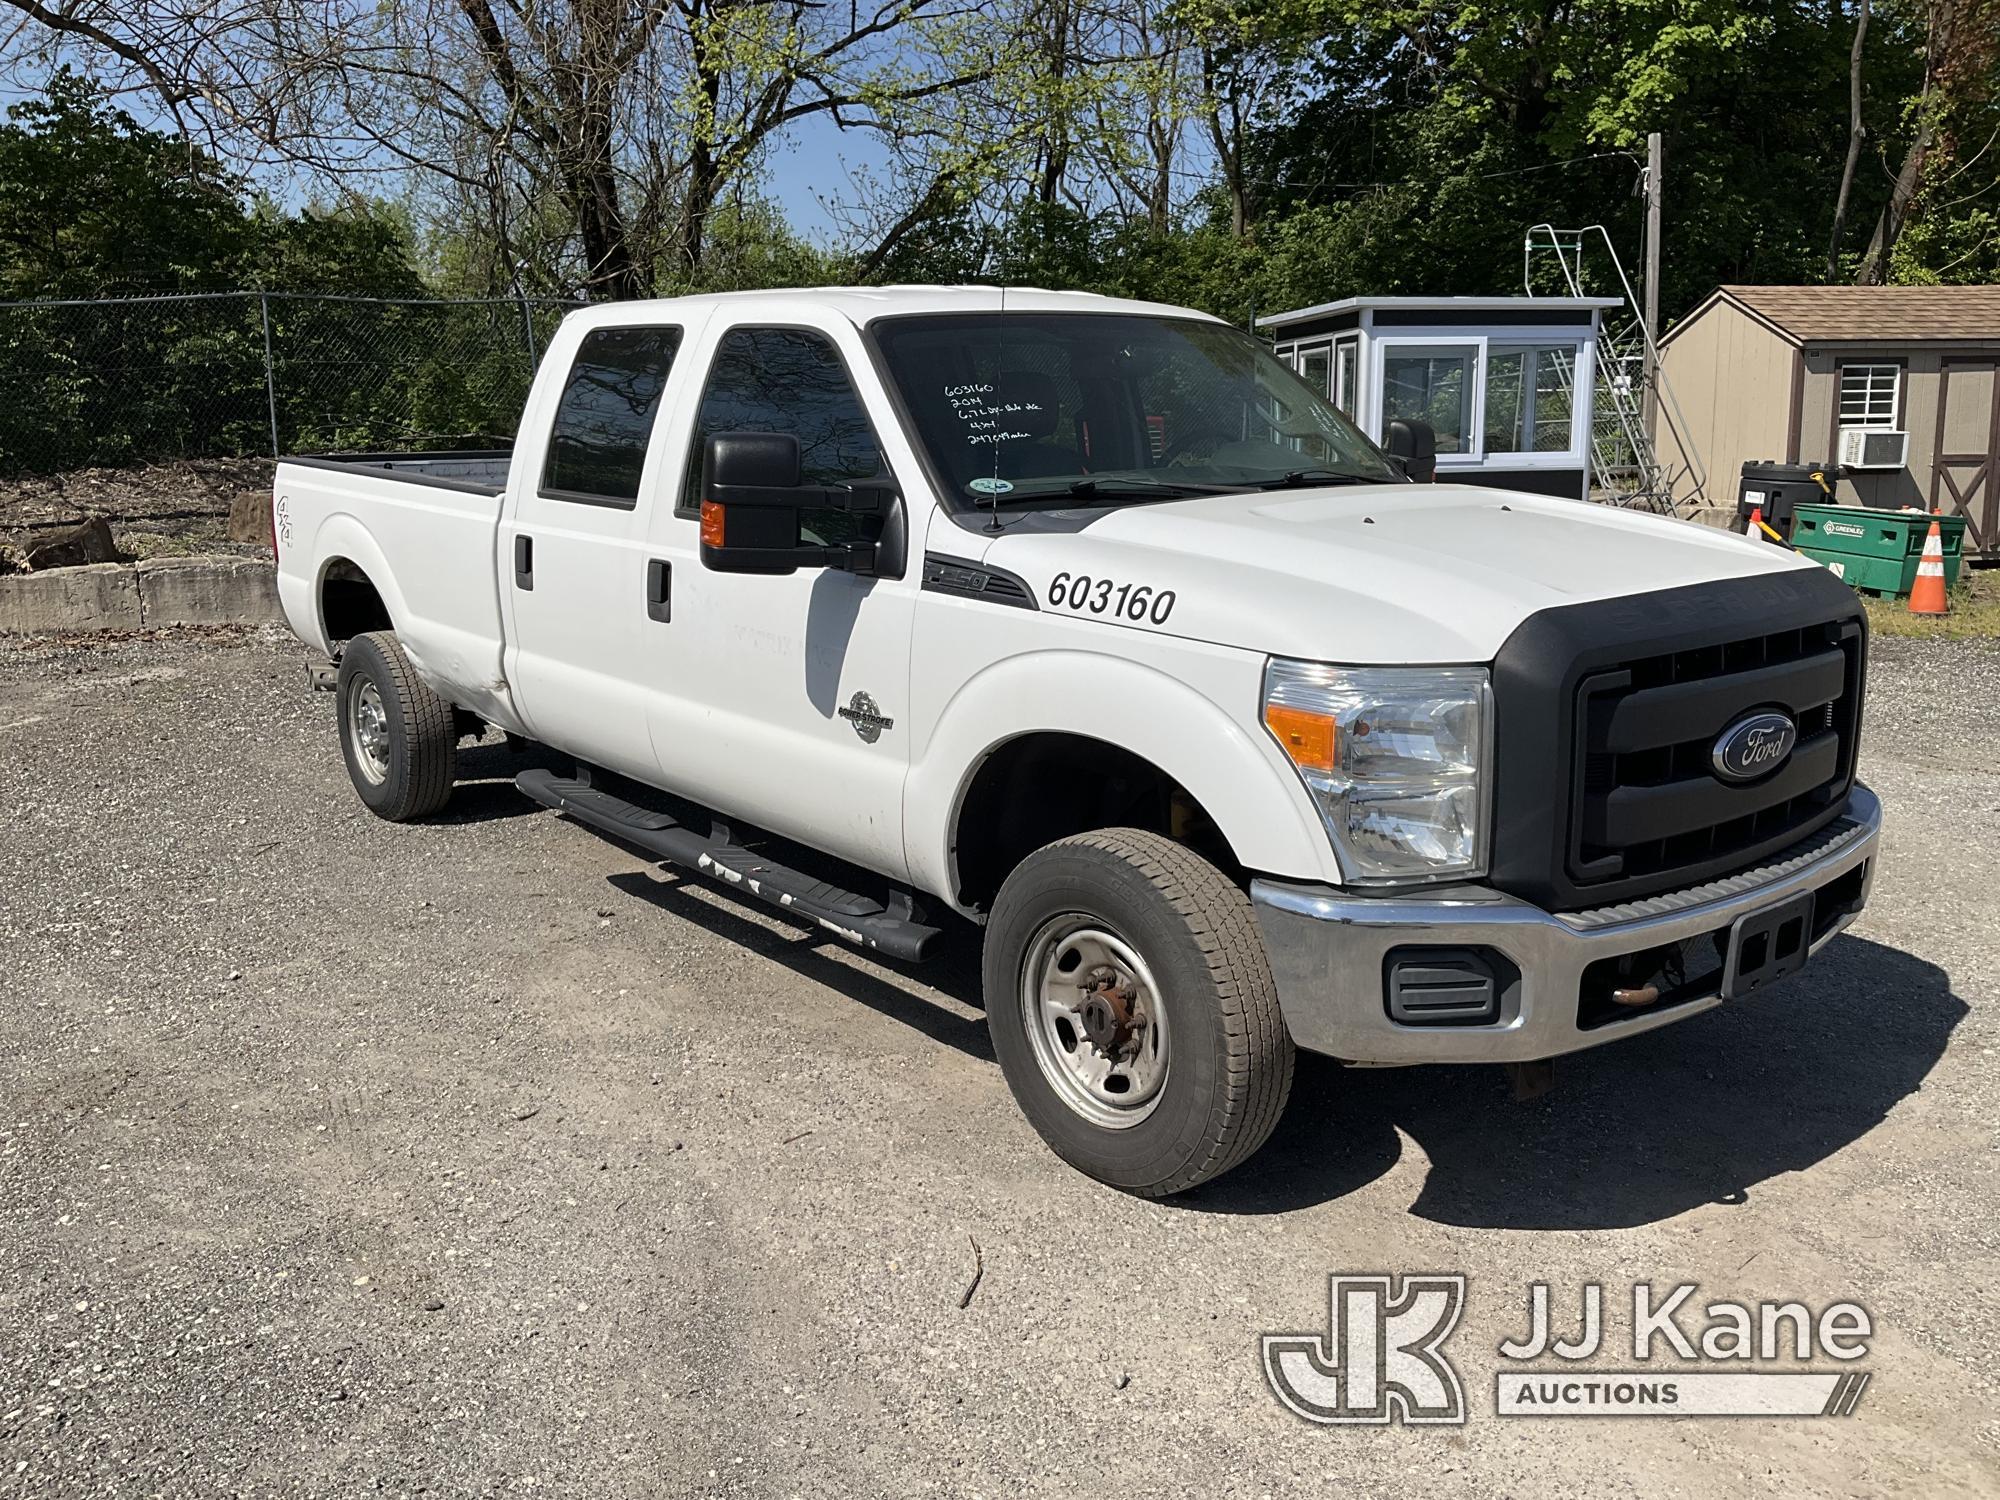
<point x="1414" y="446"/>
<point x="752" y="461"/>
<point x="752" y="496"/>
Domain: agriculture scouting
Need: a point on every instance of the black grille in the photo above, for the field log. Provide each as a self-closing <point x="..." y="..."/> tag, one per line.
<point x="1646" y="729"/>
<point x="1607" y="714"/>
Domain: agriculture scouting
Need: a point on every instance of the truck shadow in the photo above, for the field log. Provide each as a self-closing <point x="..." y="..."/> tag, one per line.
<point x="485" y="790"/>
<point x="819" y="958"/>
<point x="1634" y="1132"/>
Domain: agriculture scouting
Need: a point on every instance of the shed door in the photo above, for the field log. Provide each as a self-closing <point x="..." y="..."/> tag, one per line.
<point x="1966" y="477"/>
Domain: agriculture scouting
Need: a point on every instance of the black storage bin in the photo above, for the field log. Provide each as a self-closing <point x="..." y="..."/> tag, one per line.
<point x="1777" y="488"/>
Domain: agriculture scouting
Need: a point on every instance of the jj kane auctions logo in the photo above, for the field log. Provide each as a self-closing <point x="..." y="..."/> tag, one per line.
<point x="1382" y="1357"/>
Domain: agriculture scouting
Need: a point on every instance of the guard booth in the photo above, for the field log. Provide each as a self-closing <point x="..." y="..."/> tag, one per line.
<point x="1507" y="383"/>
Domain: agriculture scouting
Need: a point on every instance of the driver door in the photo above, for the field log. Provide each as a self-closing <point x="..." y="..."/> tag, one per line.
<point x="787" y="696"/>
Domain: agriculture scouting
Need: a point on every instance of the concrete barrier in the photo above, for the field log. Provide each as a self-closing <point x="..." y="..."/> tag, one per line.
<point x="1721" y="517"/>
<point x="207" y="591"/>
<point x="129" y="596"/>
<point x="96" y="596"/>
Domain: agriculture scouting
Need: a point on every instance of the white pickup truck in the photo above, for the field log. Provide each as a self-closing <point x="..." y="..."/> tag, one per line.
<point x="1085" y="621"/>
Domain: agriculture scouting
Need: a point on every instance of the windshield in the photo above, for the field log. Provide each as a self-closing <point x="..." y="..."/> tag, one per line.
<point x="1112" y="409"/>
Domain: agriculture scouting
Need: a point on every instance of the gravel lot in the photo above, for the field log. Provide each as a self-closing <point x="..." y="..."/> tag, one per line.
<point x="471" y="1159"/>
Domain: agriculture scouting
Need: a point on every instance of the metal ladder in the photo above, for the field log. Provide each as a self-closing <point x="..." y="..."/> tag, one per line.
<point x="1625" y="465"/>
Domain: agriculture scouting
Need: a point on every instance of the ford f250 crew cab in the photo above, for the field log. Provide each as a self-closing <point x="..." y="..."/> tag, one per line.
<point x="1086" y="622"/>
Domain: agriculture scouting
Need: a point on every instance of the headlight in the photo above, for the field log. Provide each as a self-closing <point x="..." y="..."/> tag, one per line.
<point x="1393" y="758"/>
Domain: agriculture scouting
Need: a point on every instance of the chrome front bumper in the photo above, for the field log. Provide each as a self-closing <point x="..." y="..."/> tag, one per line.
<point x="1328" y="951"/>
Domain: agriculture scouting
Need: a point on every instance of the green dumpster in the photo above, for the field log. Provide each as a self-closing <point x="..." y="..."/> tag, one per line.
<point x="1875" y="551"/>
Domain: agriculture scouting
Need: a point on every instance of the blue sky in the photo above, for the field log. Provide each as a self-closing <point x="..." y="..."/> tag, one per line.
<point x="813" y="163"/>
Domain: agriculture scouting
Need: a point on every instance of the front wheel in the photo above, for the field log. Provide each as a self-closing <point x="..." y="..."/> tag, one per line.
<point x="396" y="735"/>
<point x="1133" y="1012"/>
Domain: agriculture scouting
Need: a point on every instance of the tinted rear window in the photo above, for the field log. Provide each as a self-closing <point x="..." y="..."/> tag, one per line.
<point x="597" y="447"/>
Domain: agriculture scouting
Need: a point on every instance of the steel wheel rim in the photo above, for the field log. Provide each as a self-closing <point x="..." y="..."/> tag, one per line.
<point x="1092" y="1011"/>
<point x="368" y="732"/>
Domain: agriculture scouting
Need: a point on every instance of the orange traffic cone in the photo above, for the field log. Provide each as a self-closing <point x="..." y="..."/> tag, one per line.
<point x="1755" y="528"/>
<point x="1927" y="593"/>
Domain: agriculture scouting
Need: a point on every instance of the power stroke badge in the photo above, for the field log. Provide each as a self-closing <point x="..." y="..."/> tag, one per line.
<point x="867" y="718"/>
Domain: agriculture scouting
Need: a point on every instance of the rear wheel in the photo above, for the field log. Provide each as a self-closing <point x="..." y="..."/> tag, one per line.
<point x="396" y="735"/>
<point x="1132" y="1010"/>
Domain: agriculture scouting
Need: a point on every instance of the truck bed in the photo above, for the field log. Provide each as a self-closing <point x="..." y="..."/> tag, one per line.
<point x="478" y="470"/>
<point x="422" y="528"/>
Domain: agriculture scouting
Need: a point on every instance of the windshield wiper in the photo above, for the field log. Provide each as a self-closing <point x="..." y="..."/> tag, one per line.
<point x="1297" y="478"/>
<point x="1113" y="488"/>
<point x="1122" y="485"/>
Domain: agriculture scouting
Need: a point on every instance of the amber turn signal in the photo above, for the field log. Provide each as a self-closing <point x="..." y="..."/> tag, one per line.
<point x="711" y="524"/>
<point x="1306" y="736"/>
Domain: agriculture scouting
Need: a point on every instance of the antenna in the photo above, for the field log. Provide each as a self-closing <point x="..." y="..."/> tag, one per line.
<point x="993" y="494"/>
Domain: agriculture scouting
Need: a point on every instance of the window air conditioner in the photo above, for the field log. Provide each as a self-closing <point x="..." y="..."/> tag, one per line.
<point x="1873" y="448"/>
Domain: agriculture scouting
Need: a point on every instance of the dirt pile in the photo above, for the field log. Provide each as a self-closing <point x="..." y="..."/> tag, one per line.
<point x="160" y="510"/>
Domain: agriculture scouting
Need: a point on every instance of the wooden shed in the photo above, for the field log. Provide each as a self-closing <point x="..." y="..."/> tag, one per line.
<point x="1898" y="385"/>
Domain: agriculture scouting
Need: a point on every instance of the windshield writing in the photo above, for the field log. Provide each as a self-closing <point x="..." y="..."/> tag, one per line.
<point x="1116" y="407"/>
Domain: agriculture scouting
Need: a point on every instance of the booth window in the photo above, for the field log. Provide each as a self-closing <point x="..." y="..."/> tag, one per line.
<point x="1529" y="400"/>
<point x="1431" y="383"/>
<point x="1868" y="395"/>
<point x="1316" y="369"/>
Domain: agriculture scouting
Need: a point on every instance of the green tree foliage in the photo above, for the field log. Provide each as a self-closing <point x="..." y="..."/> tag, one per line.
<point x="93" y="205"/>
<point x="1238" y="155"/>
<point x="1406" y="148"/>
<point x="359" y="250"/>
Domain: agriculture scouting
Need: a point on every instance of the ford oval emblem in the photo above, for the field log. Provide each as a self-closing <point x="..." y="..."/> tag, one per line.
<point x="1754" y="746"/>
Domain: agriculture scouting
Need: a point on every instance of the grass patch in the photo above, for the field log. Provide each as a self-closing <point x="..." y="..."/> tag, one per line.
<point x="1975" y="611"/>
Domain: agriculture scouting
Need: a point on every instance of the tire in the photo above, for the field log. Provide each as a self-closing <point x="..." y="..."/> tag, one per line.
<point x="396" y="735"/>
<point x="1150" y="919"/>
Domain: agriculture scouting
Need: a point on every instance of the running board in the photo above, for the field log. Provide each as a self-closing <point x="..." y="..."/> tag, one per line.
<point x="893" y="929"/>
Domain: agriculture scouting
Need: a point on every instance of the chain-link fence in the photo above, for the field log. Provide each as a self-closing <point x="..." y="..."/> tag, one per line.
<point x="134" y="380"/>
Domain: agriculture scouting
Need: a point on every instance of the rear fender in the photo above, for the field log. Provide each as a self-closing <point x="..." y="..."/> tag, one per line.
<point x="342" y="538"/>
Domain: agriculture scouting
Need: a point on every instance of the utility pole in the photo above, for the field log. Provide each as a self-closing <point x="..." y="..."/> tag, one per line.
<point x="1651" y="316"/>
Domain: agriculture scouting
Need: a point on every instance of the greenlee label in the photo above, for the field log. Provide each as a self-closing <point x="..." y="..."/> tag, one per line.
<point x="1841" y="528"/>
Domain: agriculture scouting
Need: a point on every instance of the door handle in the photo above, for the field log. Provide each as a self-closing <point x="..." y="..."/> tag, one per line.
<point x="659" y="590"/>
<point x="524" y="562"/>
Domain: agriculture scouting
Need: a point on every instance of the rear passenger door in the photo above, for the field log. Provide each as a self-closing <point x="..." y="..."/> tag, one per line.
<point x="574" y="563"/>
<point x="785" y="699"/>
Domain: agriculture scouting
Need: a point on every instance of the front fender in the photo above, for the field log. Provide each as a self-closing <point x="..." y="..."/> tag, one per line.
<point x="1221" y="755"/>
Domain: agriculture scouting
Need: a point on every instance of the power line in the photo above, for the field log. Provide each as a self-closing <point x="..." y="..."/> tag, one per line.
<point x="1547" y="166"/>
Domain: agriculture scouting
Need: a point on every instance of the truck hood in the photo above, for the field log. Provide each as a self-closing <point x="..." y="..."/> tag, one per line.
<point x="1358" y="574"/>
